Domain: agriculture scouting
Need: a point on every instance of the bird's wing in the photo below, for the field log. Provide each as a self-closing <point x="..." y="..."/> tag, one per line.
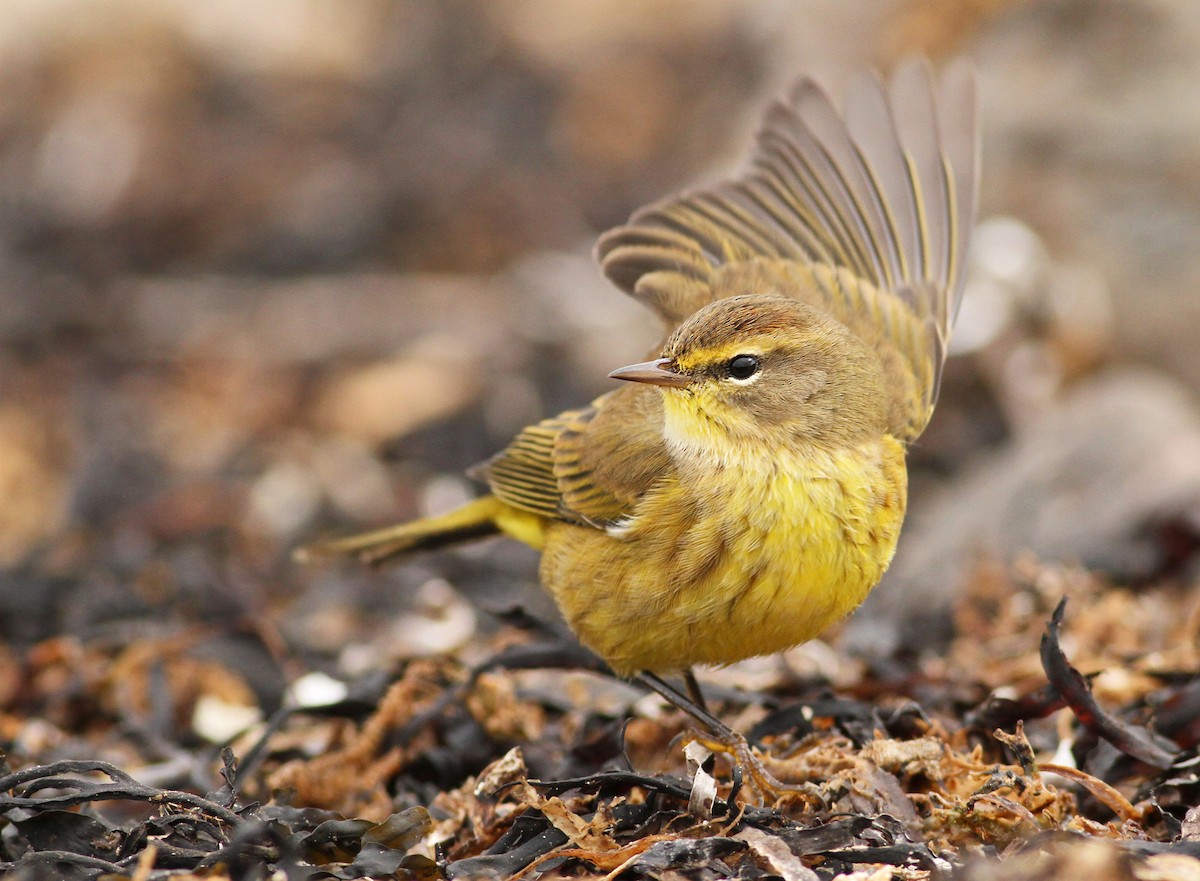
<point x="868" y="213"/>
<point x="590" y="465"/>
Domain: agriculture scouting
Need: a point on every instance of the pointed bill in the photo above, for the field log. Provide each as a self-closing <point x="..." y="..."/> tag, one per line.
<point x="653" y="372"/>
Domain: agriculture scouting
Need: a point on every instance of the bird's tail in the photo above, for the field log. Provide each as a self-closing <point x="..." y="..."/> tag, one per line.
<point x="476" y="519"/>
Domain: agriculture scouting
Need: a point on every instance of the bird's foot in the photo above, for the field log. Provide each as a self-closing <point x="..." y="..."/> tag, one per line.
<point x="755" y="769"/>
<point x="722" y="740"/>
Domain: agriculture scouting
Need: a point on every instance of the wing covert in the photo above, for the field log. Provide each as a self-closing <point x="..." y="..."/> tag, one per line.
<point x="590" y="465"/>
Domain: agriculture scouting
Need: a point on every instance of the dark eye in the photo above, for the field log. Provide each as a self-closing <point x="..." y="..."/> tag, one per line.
<point x="743" y="366"/>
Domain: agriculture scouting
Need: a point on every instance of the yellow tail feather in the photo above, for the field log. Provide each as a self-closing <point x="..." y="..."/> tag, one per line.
<point x="475" y="519"/>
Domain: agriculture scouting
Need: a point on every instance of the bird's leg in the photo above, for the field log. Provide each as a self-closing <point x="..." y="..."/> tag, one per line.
<point x="694" y="708"/>
<point x="693" y="688"/>
<point x="723" y="739"/>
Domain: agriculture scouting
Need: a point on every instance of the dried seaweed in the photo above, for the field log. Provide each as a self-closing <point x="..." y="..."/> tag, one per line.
<point x="416" y="775"/>
<point x="1133" y="740"/>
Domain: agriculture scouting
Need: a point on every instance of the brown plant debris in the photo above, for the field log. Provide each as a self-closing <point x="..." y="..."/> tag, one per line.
<point x="438" y="772"/>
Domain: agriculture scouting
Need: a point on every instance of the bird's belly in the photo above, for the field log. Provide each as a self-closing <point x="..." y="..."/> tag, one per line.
<point x="734" y="566"/>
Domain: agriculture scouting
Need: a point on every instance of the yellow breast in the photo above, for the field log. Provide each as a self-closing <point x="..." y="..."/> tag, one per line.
<point x="733" y="562"/>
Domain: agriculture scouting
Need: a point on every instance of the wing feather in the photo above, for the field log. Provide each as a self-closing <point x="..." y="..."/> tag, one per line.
<point x="866" y="214"/>
<point x="878" y="201"/>
<point x="590" y="465"/>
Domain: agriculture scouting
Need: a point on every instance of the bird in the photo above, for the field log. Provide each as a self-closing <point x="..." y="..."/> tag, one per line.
<point x="743" y="489"/>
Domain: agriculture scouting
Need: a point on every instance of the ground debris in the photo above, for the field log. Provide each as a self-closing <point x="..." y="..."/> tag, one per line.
<point x="439" y="770"/>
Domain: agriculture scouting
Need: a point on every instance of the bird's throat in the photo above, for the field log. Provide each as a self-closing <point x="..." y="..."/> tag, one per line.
<point x="696" y="439"/>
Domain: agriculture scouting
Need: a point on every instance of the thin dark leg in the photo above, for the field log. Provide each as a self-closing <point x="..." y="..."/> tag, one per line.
<point x="728" y="741"/>
<point x="677" y="698"/>
<point x="693" y="688"/>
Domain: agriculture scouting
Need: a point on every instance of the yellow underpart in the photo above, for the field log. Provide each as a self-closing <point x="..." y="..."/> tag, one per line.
<point x="728" y="563"/>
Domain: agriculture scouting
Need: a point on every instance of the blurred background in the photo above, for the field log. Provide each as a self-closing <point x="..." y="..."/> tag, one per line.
<point x="277" y="270"/>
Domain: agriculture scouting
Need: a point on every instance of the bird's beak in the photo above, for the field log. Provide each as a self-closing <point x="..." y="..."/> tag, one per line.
<point x="653" y="372"/>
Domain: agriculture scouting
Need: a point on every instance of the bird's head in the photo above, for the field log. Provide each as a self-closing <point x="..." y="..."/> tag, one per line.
<point x="752" y="373"/>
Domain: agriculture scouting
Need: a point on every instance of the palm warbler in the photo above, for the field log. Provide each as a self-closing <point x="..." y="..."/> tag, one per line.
<point x="745" y="488"/>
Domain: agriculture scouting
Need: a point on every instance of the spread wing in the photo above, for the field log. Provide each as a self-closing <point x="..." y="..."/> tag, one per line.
<point x="866" y="214"/>
<point x="589" y="465"/>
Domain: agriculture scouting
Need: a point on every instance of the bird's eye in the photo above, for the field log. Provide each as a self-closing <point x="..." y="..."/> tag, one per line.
<point x="743" y="366"/>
